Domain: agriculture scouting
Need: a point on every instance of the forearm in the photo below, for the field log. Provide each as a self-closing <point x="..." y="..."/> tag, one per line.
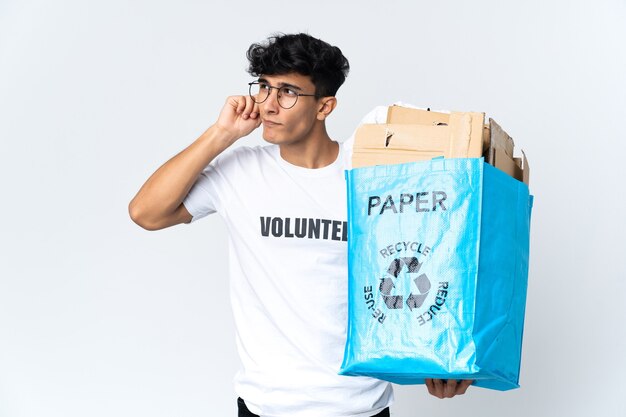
<point x="164" y="191"/>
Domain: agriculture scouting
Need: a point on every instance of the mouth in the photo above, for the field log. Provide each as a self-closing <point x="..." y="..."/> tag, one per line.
<point x="269" y="123"/>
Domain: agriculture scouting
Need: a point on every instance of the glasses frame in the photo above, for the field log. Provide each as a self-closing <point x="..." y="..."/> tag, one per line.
<point x="277" y="94"/>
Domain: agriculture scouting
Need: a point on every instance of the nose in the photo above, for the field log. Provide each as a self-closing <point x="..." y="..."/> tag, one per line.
<point x="270" y="104"/>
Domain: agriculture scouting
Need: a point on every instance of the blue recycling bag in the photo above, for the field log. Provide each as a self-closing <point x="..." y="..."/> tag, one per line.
<point x="438" y="270"/>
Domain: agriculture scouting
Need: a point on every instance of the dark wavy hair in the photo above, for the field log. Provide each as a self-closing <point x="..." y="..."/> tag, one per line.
<point x="303" y="54"/>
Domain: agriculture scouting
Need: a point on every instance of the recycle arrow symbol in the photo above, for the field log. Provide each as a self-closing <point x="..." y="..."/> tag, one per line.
<point x="392" y="301"/>
<point x="387" y="284"/>
<point x="423" y="285"/>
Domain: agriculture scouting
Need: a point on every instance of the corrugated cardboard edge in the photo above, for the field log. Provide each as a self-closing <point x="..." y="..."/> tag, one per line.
<point x="486" y="139"/>
<point x="525" y="169"/>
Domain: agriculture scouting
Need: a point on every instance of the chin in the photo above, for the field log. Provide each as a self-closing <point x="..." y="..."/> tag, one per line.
<point x="272" y="139"/>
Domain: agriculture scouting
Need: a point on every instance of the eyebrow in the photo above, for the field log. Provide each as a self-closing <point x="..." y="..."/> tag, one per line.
<point x="263" y="80"/>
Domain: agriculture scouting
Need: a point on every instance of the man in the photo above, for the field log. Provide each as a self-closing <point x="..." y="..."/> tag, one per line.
<point x="285" y="208"/>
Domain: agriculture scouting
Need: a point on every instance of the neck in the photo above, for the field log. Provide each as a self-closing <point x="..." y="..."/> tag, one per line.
<point x="316" y="152"/>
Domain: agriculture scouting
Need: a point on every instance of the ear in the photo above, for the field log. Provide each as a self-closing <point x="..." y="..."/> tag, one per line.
<point x="327" y="105"/>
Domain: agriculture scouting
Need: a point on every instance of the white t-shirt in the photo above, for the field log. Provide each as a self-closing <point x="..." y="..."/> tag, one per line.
<point x="288" y="286"/>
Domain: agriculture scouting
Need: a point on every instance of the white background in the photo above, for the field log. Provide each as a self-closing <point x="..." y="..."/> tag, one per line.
<point x="99" y="317"/>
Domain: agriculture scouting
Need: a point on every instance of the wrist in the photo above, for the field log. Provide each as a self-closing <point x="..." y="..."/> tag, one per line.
<point x="220" y="134"/>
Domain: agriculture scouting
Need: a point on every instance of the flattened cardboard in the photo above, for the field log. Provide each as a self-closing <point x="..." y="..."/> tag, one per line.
<point x="393" y="143"/>
<point x="407" y="115"/>
<point x="525" y="169"/>
<point x="383" y="144"/>
<point x="503" y="162"/>
<point x="499" y="139"/>
<point x="415" y="135"/>
<point x="466" y="126"/>
<point x="486" y="139"/>
<point x="500" y="154"/>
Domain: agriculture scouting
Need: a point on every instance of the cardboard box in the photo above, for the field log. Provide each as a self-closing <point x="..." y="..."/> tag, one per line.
<point x="411" y="135"/>
<point x="454" y="135"/>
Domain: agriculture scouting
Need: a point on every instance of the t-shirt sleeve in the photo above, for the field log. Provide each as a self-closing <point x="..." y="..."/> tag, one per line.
<point x="209" y="192"/>
<point x="203" y="198"/>
<point x="216" y="184"/>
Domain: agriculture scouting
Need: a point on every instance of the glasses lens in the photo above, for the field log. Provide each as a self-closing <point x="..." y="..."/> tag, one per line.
<point x="287" y="97"/>
<point x="259" y="92"/>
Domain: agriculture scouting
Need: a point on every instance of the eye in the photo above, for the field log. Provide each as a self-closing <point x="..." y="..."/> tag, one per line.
<point x="288" y="92"/>
<point x="264" y="87"/>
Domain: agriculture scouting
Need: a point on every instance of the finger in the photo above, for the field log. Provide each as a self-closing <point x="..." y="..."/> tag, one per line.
<point x="255" y="111"/>
<point x="430" y="385"/>
<point x="241" y="104"/>
<point x="438" y="383"/>
<point x="463" y="386"/>
<point x="450" y="388"/>
<point x="248" y="109"/>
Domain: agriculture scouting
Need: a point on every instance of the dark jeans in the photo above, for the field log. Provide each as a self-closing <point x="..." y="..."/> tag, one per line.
<point x="244" y="412"/>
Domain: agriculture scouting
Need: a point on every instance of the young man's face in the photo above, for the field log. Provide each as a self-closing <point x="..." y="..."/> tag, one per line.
<point x="294" y="125"/>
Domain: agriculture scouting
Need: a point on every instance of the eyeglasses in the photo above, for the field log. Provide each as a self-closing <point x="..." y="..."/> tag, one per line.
<point x="287" y="97"/>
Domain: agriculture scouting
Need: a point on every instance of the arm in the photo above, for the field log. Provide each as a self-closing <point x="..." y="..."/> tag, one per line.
<point x="158" y="204"/>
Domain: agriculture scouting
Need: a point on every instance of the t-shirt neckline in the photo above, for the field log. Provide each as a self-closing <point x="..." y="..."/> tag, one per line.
<point x="332" y="168"/>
